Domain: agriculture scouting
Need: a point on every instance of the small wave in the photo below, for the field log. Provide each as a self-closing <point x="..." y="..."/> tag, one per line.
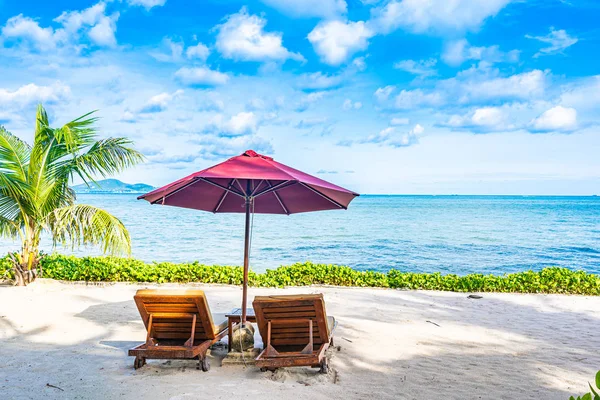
<point x="575" y="249"/>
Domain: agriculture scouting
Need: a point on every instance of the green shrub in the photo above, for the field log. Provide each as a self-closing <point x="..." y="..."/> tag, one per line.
<point x="97" y="269"/>
<point x="5" y="268"/>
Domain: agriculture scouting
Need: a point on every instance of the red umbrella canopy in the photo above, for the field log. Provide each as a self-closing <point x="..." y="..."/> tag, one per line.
<point x="273" y="188"/>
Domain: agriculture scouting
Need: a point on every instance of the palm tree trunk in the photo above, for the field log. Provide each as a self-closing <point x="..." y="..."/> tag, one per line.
<point x="25" y="264"/>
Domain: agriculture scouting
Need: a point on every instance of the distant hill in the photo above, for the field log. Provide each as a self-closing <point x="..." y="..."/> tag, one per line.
<point x="112" y="186"/>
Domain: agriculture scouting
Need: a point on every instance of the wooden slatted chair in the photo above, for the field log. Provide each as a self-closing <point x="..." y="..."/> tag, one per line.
<point x="179" y="325"/>
<point x="296" y="331"/>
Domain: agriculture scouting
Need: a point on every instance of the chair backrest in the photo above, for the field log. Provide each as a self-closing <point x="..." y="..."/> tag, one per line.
<point x="172" y="313"/>
<point x="292" y="308"/>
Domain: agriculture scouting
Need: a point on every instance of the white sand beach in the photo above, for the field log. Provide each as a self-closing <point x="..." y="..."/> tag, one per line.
<point x="394" y="345"/>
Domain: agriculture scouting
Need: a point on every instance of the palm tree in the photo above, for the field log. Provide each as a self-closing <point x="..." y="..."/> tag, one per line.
<point x="35" y="196"/>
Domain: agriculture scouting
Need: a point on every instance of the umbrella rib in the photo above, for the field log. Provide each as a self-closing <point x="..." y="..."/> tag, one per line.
<point x="163" y="197"/>
<point x="241" y="188"/>
<point x="257" y="186"/>
<point x="222" y="187"/>
<point x="285" y="210"/>
<point x="278" y="186"/>
<point x="323" y="195"/>
<point x="222" y="199"/>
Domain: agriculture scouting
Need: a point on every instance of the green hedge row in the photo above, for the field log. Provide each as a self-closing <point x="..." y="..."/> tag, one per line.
<point x="97" y="269"/>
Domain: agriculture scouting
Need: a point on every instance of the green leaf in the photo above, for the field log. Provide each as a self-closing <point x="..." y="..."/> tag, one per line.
<point x="587" y="396"/>
<point x="84" y="224"/>
<point x="598" y="380"/>
<point x="593" y="391"/>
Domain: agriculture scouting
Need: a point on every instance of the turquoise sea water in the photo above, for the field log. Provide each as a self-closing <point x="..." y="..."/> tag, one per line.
<point x="451" y="234"/>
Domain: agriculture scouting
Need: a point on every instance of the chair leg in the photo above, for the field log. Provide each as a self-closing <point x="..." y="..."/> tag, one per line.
<point x="139" y="362"/>
<point x="324" y="366"/>
<point x="203" y="363"/>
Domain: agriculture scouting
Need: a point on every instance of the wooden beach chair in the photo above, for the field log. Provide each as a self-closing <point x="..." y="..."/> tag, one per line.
<point x="295" y="329"/>
<point x="179" y="325"/>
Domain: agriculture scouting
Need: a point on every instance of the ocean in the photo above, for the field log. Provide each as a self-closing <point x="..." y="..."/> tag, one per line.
<point x="450" y="234"/>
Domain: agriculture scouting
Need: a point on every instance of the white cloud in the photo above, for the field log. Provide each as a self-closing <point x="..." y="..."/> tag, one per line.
<point x="409" y="99"/>
<point x="409" y="138"/>
<point x="399" y="121"/>
<point x="256" y="104"/>
<point x="423" y="68"/>
<point x="91" y="23"/>
<point x="437" y="16"/>
<point x="583" y="94"/>
<point x="214" y="148"/>
<point x="308" y="100"/>
<point x="359" y="63"/>
<point x="159" y="102"/>
<point x="147" y="4"/>
<point x="103" y="33"/>
<point x="211" y="103"/>
<point x="524" y="86"/>
<point x="473" y="86"/>
<point x="488" y="116"/>
<point x="243" y="123"/>
<point x="199" y="52"/>
<point x="383" y="94"/>
<point x="309" y="8"/>
<point x="241" y="37"/>
<point x="559" y="118"/>
<point x="391" y="137"/>
<point x="459" y="51"/>
<point x="201" y="76"/>
<point x="32" y="93"/>
<point x="380" y="137"/>
<point x="311" y="122"/>
<point x="318" y="81"/>
<point x="128" y="117"/>
<point x="73" y="21"/>
<point x="558" y="40"/>
<point x="484" y="119"/>
<point x="170" y="51"/>
<point x="335" y="41"/>
<point x="350" y="105"/>
<point x="25" y="28"/>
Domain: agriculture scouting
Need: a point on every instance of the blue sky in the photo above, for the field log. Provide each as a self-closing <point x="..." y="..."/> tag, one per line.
<point x="389" y="96"/>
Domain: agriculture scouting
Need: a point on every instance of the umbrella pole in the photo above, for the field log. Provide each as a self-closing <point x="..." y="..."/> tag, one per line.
<point x="246" y="262"/>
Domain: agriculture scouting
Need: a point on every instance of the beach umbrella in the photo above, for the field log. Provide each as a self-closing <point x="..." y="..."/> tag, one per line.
<point x="251" y="183"/>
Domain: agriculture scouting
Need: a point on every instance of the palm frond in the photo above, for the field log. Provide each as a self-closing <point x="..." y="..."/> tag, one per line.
<point x="9" y="229"/>
<point x="106" y="157"/>
<point x="9" y="207"/>
<point x="82" y="224"/>
<point x="41" y="120"/>
<point x="54" y="193"/>
<point x="14" y="155"/>
<point x="77" y="134"/>
<point x="15" y="190"/>
<point x="15" y="196"/>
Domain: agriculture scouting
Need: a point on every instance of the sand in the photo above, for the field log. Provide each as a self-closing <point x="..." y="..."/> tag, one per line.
<point x="394" y="345"/>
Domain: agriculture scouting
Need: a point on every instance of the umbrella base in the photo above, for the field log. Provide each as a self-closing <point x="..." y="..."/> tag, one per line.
<point x="242" y="338"/>
<point x="241" y="358"/>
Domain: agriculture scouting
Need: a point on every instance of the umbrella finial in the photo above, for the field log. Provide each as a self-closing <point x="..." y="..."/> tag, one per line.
<point x="252" y="153"/>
